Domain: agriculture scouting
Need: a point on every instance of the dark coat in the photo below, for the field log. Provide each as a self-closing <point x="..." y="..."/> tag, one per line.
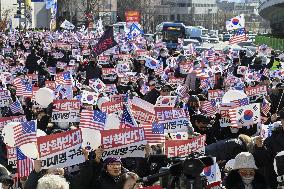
<point x="93" y="71"/>
<point x="152" y="96"/>
<point x="93" y="176"/>
<point x="225" y="149"/>
<point x="234" y="181"/>
<point x="264" y="157"/>
<point x="31" y="63"/>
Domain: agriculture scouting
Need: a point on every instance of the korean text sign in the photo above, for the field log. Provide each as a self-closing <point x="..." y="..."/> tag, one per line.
<point x="66" y="111"/>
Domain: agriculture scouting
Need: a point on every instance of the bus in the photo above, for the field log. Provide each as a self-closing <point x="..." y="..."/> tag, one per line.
<point x="170" y="32"/>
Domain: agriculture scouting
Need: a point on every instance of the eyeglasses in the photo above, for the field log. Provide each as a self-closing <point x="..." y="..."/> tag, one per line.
<point x="247" y="172"/>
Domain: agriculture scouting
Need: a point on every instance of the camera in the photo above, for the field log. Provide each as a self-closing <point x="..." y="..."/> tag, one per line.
<point x="183" y="172"/>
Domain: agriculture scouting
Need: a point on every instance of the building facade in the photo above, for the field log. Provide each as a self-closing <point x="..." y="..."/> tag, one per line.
<point x="190" y="12"/>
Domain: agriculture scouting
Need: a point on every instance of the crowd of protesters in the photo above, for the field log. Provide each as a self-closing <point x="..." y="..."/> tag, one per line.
<point x="32" y="52"/>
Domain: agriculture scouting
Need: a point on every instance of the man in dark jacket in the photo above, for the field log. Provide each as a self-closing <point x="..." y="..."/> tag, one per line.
<point x="94" y="174"/>
<point x="153" y="94"/>
<point x="93" y="71"/>
<point x="31" y="62"/>
<point x="266" y="152"/>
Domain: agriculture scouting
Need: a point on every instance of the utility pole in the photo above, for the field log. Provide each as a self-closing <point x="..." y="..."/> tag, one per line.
<point x="0" y="9"/>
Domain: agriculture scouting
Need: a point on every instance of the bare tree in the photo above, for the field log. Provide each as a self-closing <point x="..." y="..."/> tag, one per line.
<point x="5" y="19"/>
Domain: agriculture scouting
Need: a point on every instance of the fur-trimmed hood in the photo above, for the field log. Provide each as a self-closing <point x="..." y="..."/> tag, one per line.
<point x="234" y="181"/>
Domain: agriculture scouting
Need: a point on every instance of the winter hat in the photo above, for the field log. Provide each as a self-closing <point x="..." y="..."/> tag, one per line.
<point x="110" y="160"/>
<point x="244" y="160"/>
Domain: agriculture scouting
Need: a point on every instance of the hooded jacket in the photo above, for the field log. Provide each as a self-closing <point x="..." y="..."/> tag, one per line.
<point x="234" y="181"/>
<point x="93" y="176"/>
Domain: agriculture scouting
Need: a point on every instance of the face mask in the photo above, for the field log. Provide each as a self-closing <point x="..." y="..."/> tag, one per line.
<point x="163" y="54"/>
<point x="247" y="180"/>
<point x="234" y="130"/>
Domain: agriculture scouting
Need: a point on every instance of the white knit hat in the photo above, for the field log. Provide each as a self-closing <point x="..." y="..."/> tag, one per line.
<point x="244" y="160"/>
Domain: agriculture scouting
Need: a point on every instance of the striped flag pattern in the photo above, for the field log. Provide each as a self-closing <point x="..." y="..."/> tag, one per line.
<point x="265" y="107"/>
<point x="92" y="119"/>
<point x="239" y="36"/>
<point x="16" y="107"/>
<point x="25" y="133"/>
<point x="25" y="165"/>
<point x="127" y="119"/>
<point x="241" y="102"/>
<point x="154" y="133"/>
<point x="63" y="78"/>
<point x="233" y="117"/>
<point x="208" y="107"/>
<point x="19" y="84"/>
<point x="28" y="90"/>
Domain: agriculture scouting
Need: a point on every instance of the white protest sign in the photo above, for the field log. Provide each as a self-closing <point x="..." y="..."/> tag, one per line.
<point x="61" y="149"/>
<point x="66" y="111"/>
<point x="123" y="143"/>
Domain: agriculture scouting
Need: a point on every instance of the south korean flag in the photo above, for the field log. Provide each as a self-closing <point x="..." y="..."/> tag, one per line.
<point x="248" y="115"/>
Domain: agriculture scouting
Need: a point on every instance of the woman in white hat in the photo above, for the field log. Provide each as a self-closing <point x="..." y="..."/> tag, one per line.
<point x="244" y="174"/>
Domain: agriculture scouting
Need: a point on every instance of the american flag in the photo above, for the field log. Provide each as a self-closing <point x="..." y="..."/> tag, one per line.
<point x="63" y="78"/>
<point x="239" y="36"/>
<point x="92" y="119"/>
<point x="209" y="107"/>
<point x="16" y="107"/>
<point x="19" y="83"/>
<point x="241" y="102"/>
<point x="28" y="90"/>
<point x="265" y="72"/>
<point x="25" y="165"/>
<point x="127" y="119"/>
<point x="233" y="117"/>
<point x="25" y="133"/>
<point x="154" y="133"/>
<point x="265" y="107"/>
<point x="182" y="91"/>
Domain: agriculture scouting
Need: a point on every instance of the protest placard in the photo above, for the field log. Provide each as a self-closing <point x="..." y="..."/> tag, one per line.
<point x="120" y="97"/>
<point x="129" y="142"/>
<point x="225" y="118"/>
<point x="173" y="119"/>
<point x="66" y="111"/>
<point x="266" y="130"/>
<point x="61" y="149"/>
<point x="112" y="106"/>
<point x="5" y="98"/>
<point x="215" y="95"/>
<point x="50" y="84"/>
<point x="182" y="148"/>
<point x="256" y="92"/>
<point x="174" y="81"/>
<point x="109" y="71"/>
<point x="142" y="115"/>
<point x="12" y="156"/>
<point x="32" y="78"/>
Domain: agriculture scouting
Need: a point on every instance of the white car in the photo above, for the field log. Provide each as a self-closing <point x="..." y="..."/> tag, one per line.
<point x="213" y="39"/>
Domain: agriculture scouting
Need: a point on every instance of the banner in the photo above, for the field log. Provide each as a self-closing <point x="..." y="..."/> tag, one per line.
<point x="182" y="148"/>
<point x="109" y="71"/>
<point x="5" y="98"/>
<point x="12" y="156"/>
<point x="105" y="42"/>
<point x="123" y="143"/>
<point x="215" y="95"/>
<point x="173" y="119"/>
<point x="112" y="106"/>
<point x="256" y="92"/>
<point x="5" y="120"/>
<point x="248" y="115"/>
<point x="132" y="17"/>
<point x="66" y="111"/>
<point x="120" y="97"/>
<point x="61" y="150"/>
<point x="142" y="115"/>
